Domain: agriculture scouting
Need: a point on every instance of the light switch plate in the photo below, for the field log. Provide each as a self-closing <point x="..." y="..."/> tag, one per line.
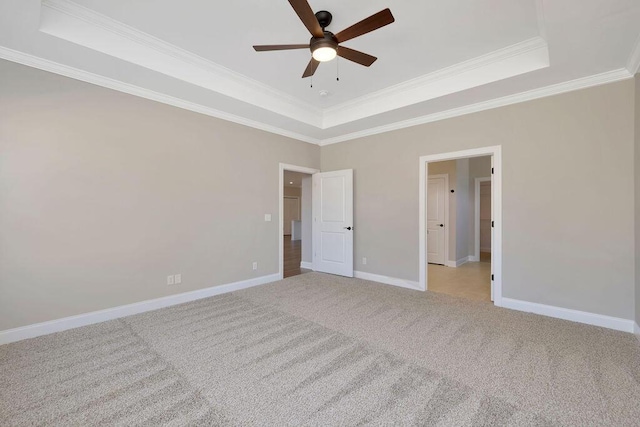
<point x="170" y="280"/>
<point x="267" y="217"/>
<point x="177" y="279"/>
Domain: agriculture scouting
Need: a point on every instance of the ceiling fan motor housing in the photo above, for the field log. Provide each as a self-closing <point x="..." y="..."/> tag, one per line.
<point x="329" y="40"/>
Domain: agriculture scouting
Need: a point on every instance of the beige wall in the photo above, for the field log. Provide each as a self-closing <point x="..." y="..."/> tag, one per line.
<point x="568" y="173"/>
<point x="637" y="194"/>
<point x="102" y="195"/>
<point x="293" y="191"/>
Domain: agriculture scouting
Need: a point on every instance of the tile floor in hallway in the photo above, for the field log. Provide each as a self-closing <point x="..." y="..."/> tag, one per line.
<point x="471" y="280"/>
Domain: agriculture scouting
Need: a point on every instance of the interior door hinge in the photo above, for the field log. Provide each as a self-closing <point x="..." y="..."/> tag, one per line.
<point x="491" y="171"/>
<point x="491" y="277"/>
<point x="492" y="224"/>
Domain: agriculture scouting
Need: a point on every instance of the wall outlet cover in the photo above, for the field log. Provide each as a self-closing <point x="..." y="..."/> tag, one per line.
<point x="170" y="280"/>
<point x="177" y="279"/>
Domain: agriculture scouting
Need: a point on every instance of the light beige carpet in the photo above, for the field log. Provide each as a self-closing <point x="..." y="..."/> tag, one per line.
<point x="322" y="350"/>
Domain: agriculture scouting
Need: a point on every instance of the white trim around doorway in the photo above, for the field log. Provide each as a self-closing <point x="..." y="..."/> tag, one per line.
<point x="293" y="168"/>
<point x="496" y="195"/>
<point x="476" y="244"/>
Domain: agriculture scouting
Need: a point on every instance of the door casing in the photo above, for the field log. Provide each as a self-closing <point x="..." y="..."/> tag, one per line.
<point x="496" y="202"/>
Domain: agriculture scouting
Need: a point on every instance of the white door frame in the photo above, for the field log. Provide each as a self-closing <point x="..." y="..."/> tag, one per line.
<point x="476" y="244"/>
<point x="446" y="213"/>
<point x="496" y="198"/>
<point x="292" y="168"/>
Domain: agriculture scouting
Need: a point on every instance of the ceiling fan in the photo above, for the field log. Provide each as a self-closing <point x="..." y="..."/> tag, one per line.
<point x="325" y="45"/>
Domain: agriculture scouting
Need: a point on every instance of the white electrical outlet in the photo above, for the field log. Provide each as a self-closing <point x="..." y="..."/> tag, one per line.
<point x="170" y="280"/>
<point x="177" y="279"/>
<point x="267" y="217"/>
<point x="364" y="260"/>
<point x="255" y="265"/>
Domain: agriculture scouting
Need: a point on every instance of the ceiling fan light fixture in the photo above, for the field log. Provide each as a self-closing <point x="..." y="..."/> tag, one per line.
<point x="324" y="54"/>
<point x="324" y="49"/>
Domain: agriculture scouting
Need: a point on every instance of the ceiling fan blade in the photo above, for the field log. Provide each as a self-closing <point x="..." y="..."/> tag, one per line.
<point x="311" y="68"/>
<point x="308" y="18"/>
<point x="378" y="20"/>
<point x="356" y="56"/>
<point x="266" y="47"/>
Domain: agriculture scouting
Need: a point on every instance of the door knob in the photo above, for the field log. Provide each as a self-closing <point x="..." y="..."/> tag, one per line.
<point x="347" y="228"/>
<point x="441" y="225"/>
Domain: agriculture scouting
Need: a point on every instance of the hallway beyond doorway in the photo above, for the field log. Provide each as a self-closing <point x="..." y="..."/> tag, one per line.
<point x="292" y="257"/>
<point x="471" y="280"/>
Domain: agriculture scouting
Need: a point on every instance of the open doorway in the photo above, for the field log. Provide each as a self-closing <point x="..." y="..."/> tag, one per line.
<point x="296" y="223"/>
<point x="482" y="223"/>
<point x="295" y="220"/>
<point x="461" y="244"/>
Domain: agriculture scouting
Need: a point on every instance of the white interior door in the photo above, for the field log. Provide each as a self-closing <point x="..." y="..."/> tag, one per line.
<point x="436" y="191"/>
<point x="333" y="222"/>
<point x="291" y="208"/>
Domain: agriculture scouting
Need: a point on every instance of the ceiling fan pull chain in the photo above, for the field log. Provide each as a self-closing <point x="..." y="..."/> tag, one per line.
<point x="311" y="81"/>
<point x="337" y="69"/>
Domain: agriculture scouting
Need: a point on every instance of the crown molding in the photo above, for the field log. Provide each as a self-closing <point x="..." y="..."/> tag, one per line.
<point x="633" y="64"/>
<point x="520" y="58"/>
<point x="542" y="21"/>
<point x="74" y="73"/>
<point x="78" y="24"/>
<point x="85" y="76"/>
<point x="556" y="89"/>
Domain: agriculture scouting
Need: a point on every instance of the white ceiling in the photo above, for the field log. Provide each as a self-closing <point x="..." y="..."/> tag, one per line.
<point x="224" y="32"/>
<point x="439" y="59"/>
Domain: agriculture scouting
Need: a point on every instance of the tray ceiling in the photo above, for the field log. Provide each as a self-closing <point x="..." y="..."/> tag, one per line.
<point x="438" y="59"/>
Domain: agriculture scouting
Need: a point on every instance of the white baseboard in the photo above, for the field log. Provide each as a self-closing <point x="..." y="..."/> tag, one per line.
<point x="387" y="280"/>
<point x="473" y="258"/>
<point x="307" y="265"/>
<point x="636" y="330"/>
<point x="568" y="314"/>
<point x="458" y="263"/>
<point x="38" y="329"/>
